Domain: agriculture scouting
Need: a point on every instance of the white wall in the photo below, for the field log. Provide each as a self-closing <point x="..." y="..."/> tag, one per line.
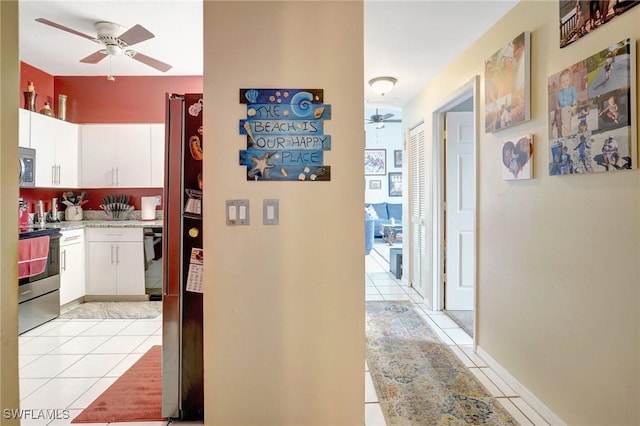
<point x="284" y="305"/>
<point x="9" y="396"/>
<point x="558" y="256"/>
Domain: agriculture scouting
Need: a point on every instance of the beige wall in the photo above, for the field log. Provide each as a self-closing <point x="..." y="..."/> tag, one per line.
<point x="284" y="305"/>
<point x="8" y="208"/>
<point x="558" y="257"/>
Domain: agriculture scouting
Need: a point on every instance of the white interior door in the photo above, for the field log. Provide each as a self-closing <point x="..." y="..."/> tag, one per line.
<point x="460" y="211"/>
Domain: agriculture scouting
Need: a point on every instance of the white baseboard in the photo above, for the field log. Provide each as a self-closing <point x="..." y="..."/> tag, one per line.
<point x="522" y="391"/>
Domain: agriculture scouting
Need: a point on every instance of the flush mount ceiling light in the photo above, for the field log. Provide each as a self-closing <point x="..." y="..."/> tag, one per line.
<point x="382" y="85"/>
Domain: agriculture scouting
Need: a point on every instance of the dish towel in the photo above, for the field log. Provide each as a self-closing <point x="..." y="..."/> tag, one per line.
<point x="32" y="256"/>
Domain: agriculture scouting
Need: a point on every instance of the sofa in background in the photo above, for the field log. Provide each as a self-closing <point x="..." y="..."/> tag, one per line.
<point x="381" y="214"/>
<point x="368" y="235"/>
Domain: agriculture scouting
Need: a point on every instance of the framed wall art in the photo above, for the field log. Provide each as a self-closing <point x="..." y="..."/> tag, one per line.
<point x="397" y="158"/>
<point x="592" y="113"/>
<point x="395" y="184"/>
<point x="517" y="158"/>
<point x="375" y="184"/>
<point x="506" y="83"/>
<point x="375" y="162"/>
<point x="579" y="18"/>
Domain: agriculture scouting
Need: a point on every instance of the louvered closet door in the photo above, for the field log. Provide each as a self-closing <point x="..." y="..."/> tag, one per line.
<point x="417" y="208"/>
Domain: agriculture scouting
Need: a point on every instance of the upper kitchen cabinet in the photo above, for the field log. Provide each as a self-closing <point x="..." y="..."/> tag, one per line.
<point x="157" y="155"/>
<point x="24" y="128"/>
<point x="116" y="155"/>
<point x="56" y="145"/>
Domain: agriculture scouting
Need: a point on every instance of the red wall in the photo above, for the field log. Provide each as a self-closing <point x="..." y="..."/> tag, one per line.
<point x="94" y="196"/>
<point x="125" y="100"/>
<point x="128" y="99"/>
<point x="43" y="84"/>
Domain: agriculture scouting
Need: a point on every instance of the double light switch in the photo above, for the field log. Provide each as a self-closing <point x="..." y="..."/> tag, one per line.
<point x="237" y="212"/>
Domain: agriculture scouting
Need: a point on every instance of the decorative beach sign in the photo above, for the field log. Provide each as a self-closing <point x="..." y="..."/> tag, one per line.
<point x="285" y="134"/>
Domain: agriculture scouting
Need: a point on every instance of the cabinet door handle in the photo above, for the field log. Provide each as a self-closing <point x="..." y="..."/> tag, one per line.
<point x="59" y="173"/>
<point x="112" y="257"/>
<point x="117" y="254"/>
<point x="117" y="175"/>
<point x="113" y="176"/>
<point x="63" y="254"/>
<point x="53" y="175"/>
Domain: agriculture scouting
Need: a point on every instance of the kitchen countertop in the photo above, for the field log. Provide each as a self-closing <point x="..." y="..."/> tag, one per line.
<point x="68" y="225"/>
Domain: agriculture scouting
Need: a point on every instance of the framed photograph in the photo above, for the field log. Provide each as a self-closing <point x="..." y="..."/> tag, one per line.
<point x="395" y="184"/>
<point x="517" y="158"/>
<point x="579" y="18"/>
<point x="592" y="113"/>
<point x="375" y="162"/>
<point x="375" y="184"/>
<point x="397" y="158"/>
<point x="506" y="85"/>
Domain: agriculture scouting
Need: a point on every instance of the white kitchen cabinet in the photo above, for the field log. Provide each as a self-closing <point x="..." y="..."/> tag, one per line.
<point x="116" y="155"/>
<point x="24" y="128"/>
<point x="72" y="265"/>
<point x="56" y="145"/>
<point x="157" y="155"/>
<point x="115" y="261"/>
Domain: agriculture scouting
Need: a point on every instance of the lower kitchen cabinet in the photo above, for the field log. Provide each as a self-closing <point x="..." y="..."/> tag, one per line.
<point x="115" y="261"/>
<point x="72" y="265"/>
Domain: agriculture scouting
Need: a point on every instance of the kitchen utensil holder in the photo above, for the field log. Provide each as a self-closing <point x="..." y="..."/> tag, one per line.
<point x="117" y="211"/>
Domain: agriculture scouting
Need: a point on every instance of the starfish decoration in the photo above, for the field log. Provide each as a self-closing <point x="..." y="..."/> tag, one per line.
<point x="261" y="166"/>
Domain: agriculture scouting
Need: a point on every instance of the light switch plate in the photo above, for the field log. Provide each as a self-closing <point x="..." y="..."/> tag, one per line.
<point x="270" y="212"/>
<point x="237" y="212"/>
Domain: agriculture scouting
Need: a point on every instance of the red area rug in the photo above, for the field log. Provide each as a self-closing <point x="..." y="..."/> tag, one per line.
<point x="135" y="396"/>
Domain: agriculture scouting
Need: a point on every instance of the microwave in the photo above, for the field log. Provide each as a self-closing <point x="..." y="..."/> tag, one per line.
<point x="27" y="166"/>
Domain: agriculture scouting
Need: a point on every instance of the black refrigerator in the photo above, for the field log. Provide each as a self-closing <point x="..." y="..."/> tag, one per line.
<point x="182" y="345"/>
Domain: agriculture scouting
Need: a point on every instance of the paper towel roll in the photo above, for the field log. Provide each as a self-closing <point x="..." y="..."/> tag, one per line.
<point x="148" y="208"/>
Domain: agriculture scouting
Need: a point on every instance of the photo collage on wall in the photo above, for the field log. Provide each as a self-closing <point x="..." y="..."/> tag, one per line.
<point x="589" y="107"/>
<point x="579" y="18"/>
<point x="506" y="84"/>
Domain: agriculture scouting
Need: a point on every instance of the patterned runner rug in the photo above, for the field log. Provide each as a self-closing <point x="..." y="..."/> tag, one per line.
<point x="418" y="379"/>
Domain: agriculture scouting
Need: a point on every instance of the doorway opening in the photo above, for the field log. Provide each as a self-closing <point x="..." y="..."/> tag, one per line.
<point x="455" y="136"/>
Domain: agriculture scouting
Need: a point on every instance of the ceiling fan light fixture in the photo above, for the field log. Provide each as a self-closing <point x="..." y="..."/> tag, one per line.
<point x="113" y="49"/>
<point x="382" y="85"/>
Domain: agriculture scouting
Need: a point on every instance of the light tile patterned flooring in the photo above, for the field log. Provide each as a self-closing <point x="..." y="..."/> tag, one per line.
<point x="380" y="284"/>
<point x="66" y="364"/>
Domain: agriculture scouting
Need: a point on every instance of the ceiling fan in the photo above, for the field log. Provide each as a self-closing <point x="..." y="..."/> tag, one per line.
<point x="114" y="44"/>
<point x="380" y="119"/>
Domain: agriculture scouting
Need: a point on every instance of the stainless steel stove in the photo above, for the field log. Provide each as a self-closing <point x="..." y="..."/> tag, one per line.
<point x="39" y="294"/>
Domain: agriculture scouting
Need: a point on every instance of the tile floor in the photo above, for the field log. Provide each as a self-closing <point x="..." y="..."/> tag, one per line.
<point x="68" y="363"/>
<point x="382" y="285"/>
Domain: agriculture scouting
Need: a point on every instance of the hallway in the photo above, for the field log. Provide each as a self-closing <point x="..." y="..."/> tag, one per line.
<point x="380" y="284"/>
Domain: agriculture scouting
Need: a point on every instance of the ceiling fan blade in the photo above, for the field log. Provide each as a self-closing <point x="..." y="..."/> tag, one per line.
<point x="136" y="34"/>
<point x="392" y="121"/>
<point x="95" y="57"/>
<point x="63" y="28"/>
<point x="147" y="60"/>
<point x="387" y="115"/>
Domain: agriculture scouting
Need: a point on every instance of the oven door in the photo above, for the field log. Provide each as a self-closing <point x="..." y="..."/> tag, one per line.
<point x="39" y="295"/>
